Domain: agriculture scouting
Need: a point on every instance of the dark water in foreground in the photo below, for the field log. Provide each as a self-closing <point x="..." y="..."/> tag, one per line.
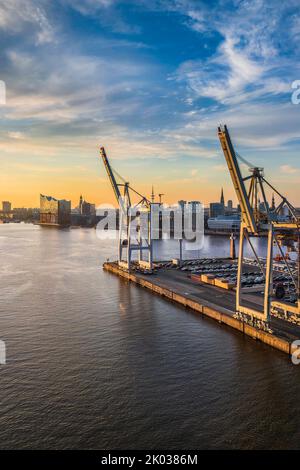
<point x="95" y="363"/>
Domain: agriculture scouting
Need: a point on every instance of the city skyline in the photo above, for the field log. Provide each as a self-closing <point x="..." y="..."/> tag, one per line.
<point x="150" y="81"/>
<point x="76" y="204"/>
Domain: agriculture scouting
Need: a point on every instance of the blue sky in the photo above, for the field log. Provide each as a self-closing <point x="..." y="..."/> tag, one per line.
<point x="151" y="81"/>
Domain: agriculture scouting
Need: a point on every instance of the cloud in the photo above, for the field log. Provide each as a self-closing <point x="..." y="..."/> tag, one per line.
<point x="247" y="63"/>
<point x="223" y="78"/>
<point x="288" y="169"/>
<point x="17" y="16"/>
<point x="220" y="167"/>
<point x="16" y="135"/>
<point x="264" y="126"/>
<point x="90" y="7"/>
<point x="295" y="27"/>
<point x="105" y="12"/>
<point x="82" y="88"/>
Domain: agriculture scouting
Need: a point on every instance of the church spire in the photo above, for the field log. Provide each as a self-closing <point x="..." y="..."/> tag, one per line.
<point x="273" y="207"/>
<point x="222" y="201"/>
<point x="152" y="195"/>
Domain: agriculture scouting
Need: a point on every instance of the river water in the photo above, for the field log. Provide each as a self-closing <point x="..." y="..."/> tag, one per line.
<point x="95" y="363"/>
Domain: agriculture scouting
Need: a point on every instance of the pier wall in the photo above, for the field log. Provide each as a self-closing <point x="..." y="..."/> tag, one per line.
<point x="267" y="338"/>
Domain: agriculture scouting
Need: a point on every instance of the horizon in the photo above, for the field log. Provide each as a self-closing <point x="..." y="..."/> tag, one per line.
<point x="114" y="205"/>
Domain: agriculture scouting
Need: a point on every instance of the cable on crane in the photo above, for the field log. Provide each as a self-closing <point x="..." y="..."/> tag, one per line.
<point x="118" y="175"/>
<point x="244" y="160"/>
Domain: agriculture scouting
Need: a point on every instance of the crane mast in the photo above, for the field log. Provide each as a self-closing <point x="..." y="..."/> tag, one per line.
<point x="258" y="222"/>
<point x="127" y="214"/>
<point x="110" y="174"/>
<point x="237" y="180"/>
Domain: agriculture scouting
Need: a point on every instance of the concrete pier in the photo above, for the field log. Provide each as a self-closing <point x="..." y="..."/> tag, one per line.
<point x="179" y="288"/>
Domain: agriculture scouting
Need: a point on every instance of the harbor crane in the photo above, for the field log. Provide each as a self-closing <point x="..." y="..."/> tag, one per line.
<point x="160" y="197"/>
<point x="257" y="219"/>
<point x="131" y="216"/>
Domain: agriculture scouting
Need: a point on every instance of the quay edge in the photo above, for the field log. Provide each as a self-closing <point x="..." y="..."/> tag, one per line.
<point x="222" y="317"/>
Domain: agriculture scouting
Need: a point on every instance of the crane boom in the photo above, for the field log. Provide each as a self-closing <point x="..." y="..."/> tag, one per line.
<point x="237" y="180"/>
<point x="110" y="174"/>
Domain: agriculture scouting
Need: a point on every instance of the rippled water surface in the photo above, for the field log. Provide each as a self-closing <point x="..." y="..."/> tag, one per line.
<point x="93" y="362"/>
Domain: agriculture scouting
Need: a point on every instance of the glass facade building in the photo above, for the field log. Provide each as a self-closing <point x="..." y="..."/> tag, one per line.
<point x="54" y="211"/>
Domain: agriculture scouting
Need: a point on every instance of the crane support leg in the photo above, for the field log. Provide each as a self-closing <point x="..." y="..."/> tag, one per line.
<point x="269" y="270"/>
<point x="240" y="268"/>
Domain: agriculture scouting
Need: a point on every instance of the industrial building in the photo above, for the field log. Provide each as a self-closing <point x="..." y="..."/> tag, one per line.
<point x="86" y="208"/>
<point x="84" y="214"/>
<point x="216" y="209"/>
<point x="24" y="214"/>
<point x="226" y="223"/>
<point x="6" y="213"/>
<point x="56" y="212"/>
<point x="221" y="218"/>
<point x="6" y="206"/>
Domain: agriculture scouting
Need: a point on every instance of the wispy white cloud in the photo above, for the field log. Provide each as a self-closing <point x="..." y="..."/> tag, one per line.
<point x="288" y="169"/>
<point x="220" y="167"/>
<point x="247" y="64"/>
<point x="224" y="77"/>
<point x="81" y="87"/>
<point x="19" y="15"/>
<point x="106" y="12"/>
<point x="16" y="135"/>
<point x="264" y="126"/>
<point x="89" y="7"/>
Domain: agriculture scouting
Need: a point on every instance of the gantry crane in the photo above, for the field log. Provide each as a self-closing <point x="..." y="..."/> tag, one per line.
<point x="256" y="221"/>
<point x="129" y="213"/>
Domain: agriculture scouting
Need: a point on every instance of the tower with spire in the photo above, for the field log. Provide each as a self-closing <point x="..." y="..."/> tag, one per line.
<point x="152" y="195"/>
<point x="273" y="207"/>
<point x="222" y="200"/>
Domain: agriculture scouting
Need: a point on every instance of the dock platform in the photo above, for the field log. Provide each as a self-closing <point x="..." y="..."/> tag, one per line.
<point x="210" y="301"/>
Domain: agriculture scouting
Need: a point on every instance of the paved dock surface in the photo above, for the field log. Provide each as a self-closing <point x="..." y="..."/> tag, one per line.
<point x="216" y="297"/>
<point x="213" y="302"/>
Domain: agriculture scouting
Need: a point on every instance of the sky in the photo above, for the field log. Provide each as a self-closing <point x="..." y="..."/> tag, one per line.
<point x="150" y="80"/>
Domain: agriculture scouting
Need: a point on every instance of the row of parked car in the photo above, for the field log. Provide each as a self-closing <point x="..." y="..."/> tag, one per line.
<point x="280" y="268"/>
<point x="226" y="271"/>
